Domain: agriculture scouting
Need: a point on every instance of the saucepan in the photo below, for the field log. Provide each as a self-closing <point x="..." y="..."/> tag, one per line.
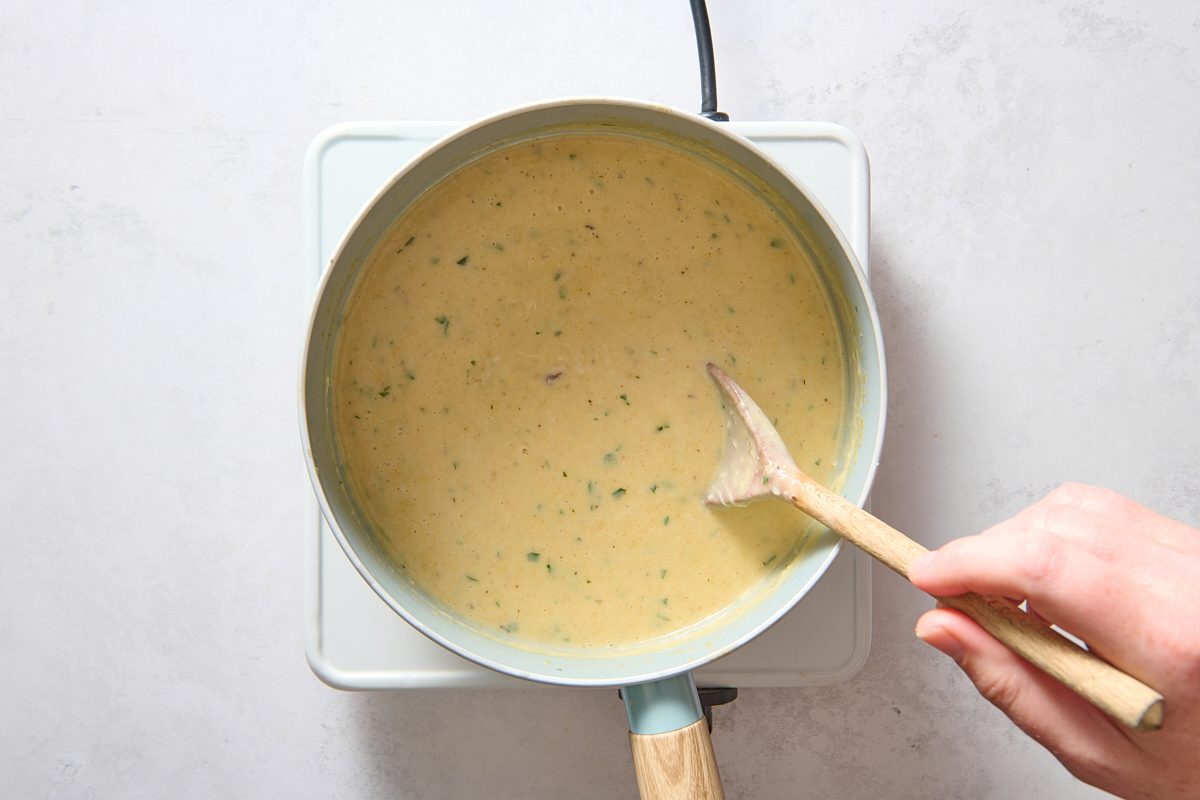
<point x="672" y="751"/>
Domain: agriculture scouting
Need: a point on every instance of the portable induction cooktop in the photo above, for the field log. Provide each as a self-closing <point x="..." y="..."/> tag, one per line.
<point x="353" y="640"/>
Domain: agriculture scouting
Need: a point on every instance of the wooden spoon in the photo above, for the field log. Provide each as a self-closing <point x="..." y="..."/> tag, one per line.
<point x="756" y="464"/>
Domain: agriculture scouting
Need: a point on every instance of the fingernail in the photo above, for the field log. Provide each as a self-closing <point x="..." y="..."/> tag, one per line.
<point x="921" y="562"/>
<point x="941" y="639"/>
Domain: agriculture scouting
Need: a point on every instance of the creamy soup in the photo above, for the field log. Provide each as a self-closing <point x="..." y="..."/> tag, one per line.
<point x="521" y="401"/>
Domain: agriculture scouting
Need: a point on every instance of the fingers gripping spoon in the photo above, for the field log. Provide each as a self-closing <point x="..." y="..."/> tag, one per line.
<point x="756" y="464"/>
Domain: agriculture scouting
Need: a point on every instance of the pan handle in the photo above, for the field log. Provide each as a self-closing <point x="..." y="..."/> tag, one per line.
<point x="672" y="753"/>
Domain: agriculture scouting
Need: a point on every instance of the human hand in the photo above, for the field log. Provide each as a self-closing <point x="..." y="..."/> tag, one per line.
<point x="1119" y="576"/>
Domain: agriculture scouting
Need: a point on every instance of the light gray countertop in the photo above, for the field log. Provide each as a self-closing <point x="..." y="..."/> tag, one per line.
<point x="1035" y="174"/>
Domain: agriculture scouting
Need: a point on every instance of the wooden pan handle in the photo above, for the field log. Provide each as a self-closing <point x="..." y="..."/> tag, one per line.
<point x="1119" y="695"/>
<point x="679" y="765"/>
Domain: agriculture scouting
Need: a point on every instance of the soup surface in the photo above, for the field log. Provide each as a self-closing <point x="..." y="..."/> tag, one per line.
<point x="521" y="401"/>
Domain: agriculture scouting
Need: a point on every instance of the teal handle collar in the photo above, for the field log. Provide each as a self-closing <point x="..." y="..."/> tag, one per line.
<point x="662" y="706"/>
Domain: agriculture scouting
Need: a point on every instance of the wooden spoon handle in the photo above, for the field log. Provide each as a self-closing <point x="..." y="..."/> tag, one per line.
<point x="1119" y="695"/>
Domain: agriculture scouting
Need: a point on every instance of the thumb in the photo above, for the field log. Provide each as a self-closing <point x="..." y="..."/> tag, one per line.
<point x="1077" y="733"/>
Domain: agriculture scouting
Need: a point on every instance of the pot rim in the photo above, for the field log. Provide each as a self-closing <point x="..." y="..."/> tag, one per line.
<point x="868" y="451"/>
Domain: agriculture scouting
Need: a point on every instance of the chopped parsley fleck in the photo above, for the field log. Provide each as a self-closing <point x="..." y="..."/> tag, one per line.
<point x="533" y="556"/>
<point x="618" y="492"/>
<point x="385" y="391"/>
<point x="777" y="243"/>
<point x="462" y="262"/>
<point x="662" y="427"/>
<point x="444" y="321"/>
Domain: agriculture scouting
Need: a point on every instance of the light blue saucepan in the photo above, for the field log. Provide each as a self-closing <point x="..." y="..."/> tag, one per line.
<point x="656" y="680"/>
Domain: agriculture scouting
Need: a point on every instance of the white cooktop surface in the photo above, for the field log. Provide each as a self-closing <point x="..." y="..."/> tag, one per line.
<point x="354" y="641"/>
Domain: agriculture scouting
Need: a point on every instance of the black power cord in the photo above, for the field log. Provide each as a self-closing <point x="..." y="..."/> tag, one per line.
<point x="708" y="69"/>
